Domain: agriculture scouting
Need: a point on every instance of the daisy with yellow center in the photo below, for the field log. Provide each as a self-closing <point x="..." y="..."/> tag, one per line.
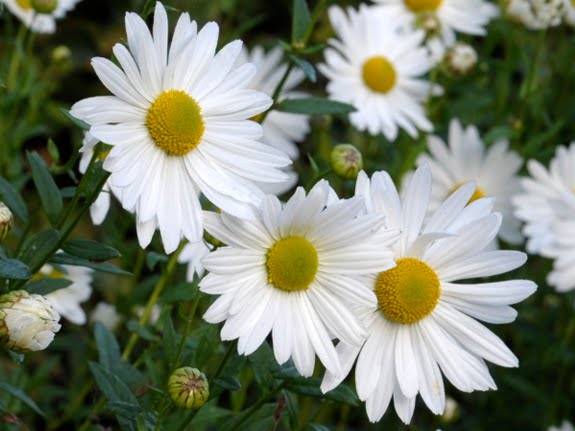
<point x="461" y="16"/>
<point x="465" y="158"/>
<point x="40" y="15"/>
<point x="179" y="125"/>
<point x="378" y="70"/>
<point x="425" y="320"/>
<point x="297" y="271"/>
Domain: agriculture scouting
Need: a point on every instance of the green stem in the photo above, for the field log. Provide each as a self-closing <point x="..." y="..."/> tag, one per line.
<point x="187" y="330"/>
<point x="277" y="92"/>
<point x="317" y="10"/>
<point x="16" y="56"/>
<point x="254" y="408"/>
<point x="172" y="262"/>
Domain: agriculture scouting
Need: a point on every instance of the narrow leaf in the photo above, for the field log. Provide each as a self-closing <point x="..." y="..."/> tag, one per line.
<point x="108" y="348"/>
<point x="47" y="189"/>
<point x="81" y="124"/>
<point x="44" y="286"/>
<point x="14" y="269"/>
<point x="314" y="105"/>
<point x="90" y="250"/>
<point x="66" y="259"/>
<point x="305" y="66"/>
<point x="301" y="20"/>
<point x="13" y="200"/>
<point x="19" y="393"/>
<point x="37" y="247"/>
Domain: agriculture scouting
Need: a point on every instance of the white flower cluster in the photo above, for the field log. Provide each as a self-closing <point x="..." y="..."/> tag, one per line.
<point x="537" y="14"/>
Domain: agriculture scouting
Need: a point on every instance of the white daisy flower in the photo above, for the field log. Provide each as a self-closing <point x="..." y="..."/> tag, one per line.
<point x="426" y="323"/>
<point x="463" y="16"/>
<point x="536" y="14"/>
<point x="562" y="251"/>
<point x="38" y="15"/>
<point x="179" y="126"/>
<point x="295" y="271"/>
<point x="376" y="69"/>
<point x="465" y="159"/>
<point x="67" y="301"/>
<point x="192" y="255"/>
<point x="545" y="198"/>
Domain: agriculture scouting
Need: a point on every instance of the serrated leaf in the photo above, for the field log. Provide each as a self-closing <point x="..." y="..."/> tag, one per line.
<point x="300" y="21"/>
<point x="47" y="189"/>
<point x="66" y="259"/>
<point x="81" y="124"/>
<point x="314" y="105"/>
<point x="307" y="68"/>
<point x="19" y="393"/>
<point x="38" y="246"/>
<point x="44" y="286"/>
<point x="14" y="269"/>
<point x="108" y="347"/>
<point x="13" y="200"/>
<point x="91" y="250"/>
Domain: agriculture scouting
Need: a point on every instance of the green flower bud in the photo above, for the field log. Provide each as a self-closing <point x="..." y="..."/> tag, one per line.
<point x="28" y="322"/>
<point x="346" y="161"/>
<point x="188" y="388"/>
<point x="45" y="6"/>
<point x="6" y="221"/>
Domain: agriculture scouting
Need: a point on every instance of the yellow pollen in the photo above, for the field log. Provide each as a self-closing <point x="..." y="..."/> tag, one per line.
<point x="24" y="4"/>
<point x="422" y="5"/>
<point x="175" y="123"/>
<point x="478" y="194"/>
<point x="292" y="264"/>
<point x="379" y="74"/>
<point x="408" y="292"/>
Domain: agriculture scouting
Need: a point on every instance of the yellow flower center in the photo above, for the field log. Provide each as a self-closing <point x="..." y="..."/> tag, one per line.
<point x="24" y="4"/>
<point x="292" y="264"/>
<point x="48" y="271"/>
<point x="175" y="123"/>
<point x="408" y="292"/>
<point x="422" y="5"/>
<point x="478" y="194"/>
<point x="379" y="74"/>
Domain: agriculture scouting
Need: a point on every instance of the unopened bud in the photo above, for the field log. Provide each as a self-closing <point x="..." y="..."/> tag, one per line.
<point x="346" y="161"/>
<point x="44" y="6"/>
<point x="428" y="22"/>
<point x="6" y="221"/>
<point x="451" y="412"/>
<point x="188" y="388"/>
<point x="460" y="59"/>
<point x="28" y="322"/>
<point x="61" y="53"/>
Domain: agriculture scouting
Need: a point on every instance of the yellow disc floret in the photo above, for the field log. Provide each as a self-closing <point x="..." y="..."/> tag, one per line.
<point x="175" y="122"/>
<point x="478" y="194"/>
<point x="292" y="264"/>
<point x="422" y="5"/>
<point x="25" y="4"/>
<point x="408" y="292"/>
<point x="379" y="74"/>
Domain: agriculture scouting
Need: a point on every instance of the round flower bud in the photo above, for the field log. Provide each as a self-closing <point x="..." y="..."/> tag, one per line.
<point x="460" y="59"/>
<point x="428" y="22"/>
<point x="6" y="221"/>
<point x="61" y="53"/>
<point x="28" y="322"/>
<point x="44" y="6"/>
<point x="188" y="388"/>
<point x="346" y="161"/>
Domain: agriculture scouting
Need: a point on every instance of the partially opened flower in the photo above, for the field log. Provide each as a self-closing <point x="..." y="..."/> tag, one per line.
<point x="178" y="123"/>
<point x="67" y="300"/>
<point x="296" y="271"/>
<point x="425" y="323"/>
<point x="40" y="15"/>
<point x="465" y="158"/>
<point x="462" y="16"/>
<point x="378" y="71"/>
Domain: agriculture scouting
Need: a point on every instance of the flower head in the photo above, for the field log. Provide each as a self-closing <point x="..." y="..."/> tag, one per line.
<point x="40" y="15"/>
<point x="425" y="322"/>
<point x="6" y="221"/>
<point x="179" y="125"/>
<point x="296" y="271"/>
<point x="377" y="70"/>
<point x="28" y="322"/>
<point x="188" y="388"/>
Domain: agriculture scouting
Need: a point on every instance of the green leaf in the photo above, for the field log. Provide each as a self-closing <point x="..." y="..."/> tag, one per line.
<point x="314" y="105"/>
<point x="108" y="348"/>
<point x="153" y="258"/>
<point x="47" y="189"/>
<point x="13" y="200"/>
<point x="37" y="247"/>
<point x="91" y="250"/>
<point x="318" y="427"/>
<point x="263" y="364"/>
<point x="81" y="124"/>
<point x="53" y="151"/>
<point x="170" y="339"/>
<point x="292" y="409"/>
<point x="66" y="259"/>
<point x="14" y="269"/>
<point x="113" y="388"/>
<point x="311" y="387"/>
<point x="143" y="332"/>
<point x="305" y="66"/>
<point x="229" y="383"/>
<point x="301" y="20"/>
<point x="44" y="286"/>
<point x="19" y="393"/>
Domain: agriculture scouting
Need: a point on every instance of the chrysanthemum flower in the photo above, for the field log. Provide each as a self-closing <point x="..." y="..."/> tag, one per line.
<point x="463" y="16"/>
<point x="465" y="159"/>
<point x="66" y="301"/>
<point x="296" y="271"/>
<point x="40" y="15"/>
<point x="536" y="14"/>
<point x="179" y="126"/>
<point x="425" y="322"/>
<point x="376" y="69"/>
